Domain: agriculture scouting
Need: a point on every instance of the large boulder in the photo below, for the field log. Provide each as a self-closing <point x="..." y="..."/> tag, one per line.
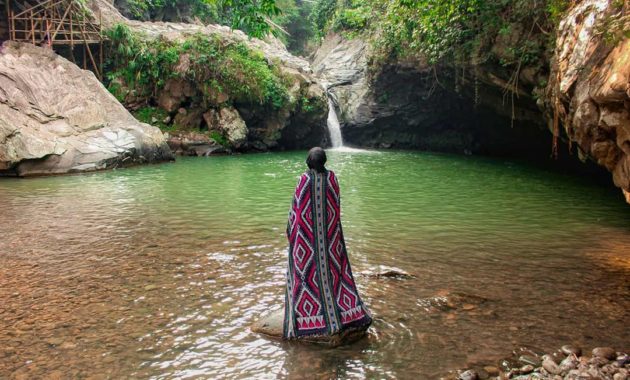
<point x="57" y="118"/>
<point x="588" y="93"/>
<point x="271" y="325"/>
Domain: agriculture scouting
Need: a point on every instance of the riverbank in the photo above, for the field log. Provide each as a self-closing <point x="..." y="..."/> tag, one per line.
<point x="568" y="363"/>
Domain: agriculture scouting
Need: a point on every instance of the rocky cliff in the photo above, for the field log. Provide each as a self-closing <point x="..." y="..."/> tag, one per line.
<point x="411" y="104"/>
<point x="588" y="94"/>
<point x="408" y="103"/>
<point x="56" y="118"/>
<point x="243" y="124"/>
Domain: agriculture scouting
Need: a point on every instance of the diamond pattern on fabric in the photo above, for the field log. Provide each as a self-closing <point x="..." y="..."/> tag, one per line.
<point x="321" y="296"/>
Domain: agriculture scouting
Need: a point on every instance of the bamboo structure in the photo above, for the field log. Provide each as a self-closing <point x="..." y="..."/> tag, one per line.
<point x="57" y="23"/>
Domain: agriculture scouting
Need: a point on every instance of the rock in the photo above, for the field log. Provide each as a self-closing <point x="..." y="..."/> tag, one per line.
<point x="623" y="359"/>
<point x="554" y="357"/>
<point x="383" y="271"/>
<point x="568" y="350"/>
<point x="188" y="118"/>
<point x="526" y="369"/>
<point x="150" y="287"/>
<point x="605" y="352"/>
<point x="491" y="370"/>
<point x="231" y="122"/>
<point x="569" y="363"/>
<point x="271" y="325"/>
<point x="597" y="361"/>
<point x="57" y="118"/>
<point x="594" y="108"/>
<point x="54" y="341"/>
<point x="530" y="359"/>
<point x="551" y="367"/>
<point x="468" y="375"/>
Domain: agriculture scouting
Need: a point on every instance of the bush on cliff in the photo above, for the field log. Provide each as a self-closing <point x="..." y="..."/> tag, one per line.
<point x="215" y="65"/>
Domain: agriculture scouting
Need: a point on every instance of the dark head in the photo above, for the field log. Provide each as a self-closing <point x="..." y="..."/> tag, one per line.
<point x="316" y="159"/>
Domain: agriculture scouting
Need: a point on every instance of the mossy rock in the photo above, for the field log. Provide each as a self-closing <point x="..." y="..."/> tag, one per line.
<point x="271" y="326"/>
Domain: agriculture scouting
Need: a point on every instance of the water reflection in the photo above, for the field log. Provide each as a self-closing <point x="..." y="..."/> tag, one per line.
<point x="157" y="272"/>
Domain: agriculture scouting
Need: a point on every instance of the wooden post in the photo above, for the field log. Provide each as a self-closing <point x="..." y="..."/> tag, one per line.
<point x="100" y="43"/>
<point x="9" y="14"/>
<point x="32" y="28"/>
<point x="71" y="34"/>
<point x="12" y="22"/>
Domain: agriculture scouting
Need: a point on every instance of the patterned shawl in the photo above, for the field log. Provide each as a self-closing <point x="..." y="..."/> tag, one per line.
<point x="321" y="295"/>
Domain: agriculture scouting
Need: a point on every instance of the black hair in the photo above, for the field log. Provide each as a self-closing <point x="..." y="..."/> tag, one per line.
<point x="316" y="159"/>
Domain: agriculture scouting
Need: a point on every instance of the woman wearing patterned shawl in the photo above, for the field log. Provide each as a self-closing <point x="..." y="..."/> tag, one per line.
<point x="321" y="295"/>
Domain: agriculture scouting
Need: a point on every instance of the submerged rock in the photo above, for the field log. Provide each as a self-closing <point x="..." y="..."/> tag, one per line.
<point x="56" y="118"/>
<point x="383" y="271"/>
<point x="271" y="325"/>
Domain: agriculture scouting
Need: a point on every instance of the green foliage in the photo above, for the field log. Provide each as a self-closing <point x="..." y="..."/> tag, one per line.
<point x="219" y="138"/>
<point x="251" y="16"/>
<point x="442" y="30"/>
<point x="205" y="10"/>
<point x="321" y="14"/>
<point x="354" y="18"/>
<point x="297" y="31"/>
<point x="154" y="116"/>
<point x="216" y="66"/>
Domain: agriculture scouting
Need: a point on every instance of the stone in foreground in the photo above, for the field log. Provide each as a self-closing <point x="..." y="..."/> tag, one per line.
<point x="56" y="118"/>
<point x="271" y="326"/>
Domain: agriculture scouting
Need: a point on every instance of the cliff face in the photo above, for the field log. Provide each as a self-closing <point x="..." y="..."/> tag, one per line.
<point x="410" y="104"/>
<point x="245" y="125"/>
<point x="56" y="118"/>
<point x="588" y="94"/>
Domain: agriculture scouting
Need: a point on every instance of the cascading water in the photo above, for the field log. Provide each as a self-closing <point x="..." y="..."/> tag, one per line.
<point x="334" y="129"/>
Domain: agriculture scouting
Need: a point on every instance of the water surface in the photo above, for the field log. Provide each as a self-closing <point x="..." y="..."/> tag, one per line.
<point x="157" y="271"/>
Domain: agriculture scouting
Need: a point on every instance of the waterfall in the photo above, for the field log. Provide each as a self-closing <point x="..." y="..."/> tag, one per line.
<point x="334" y="129"/>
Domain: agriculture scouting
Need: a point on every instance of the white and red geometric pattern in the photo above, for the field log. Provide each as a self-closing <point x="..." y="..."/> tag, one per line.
<point x="321" y="296"/>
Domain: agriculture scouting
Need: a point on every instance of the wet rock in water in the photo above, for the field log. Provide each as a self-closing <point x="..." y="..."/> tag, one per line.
<point x="554" y="357"/>
<point x="569" y="363"/>
<point x="605" y="352"/>
<point x="568" y="350"/>
<point x="551" y="367"/>
<point x="526" y="369"/>
<point x="491" y="370"/>
<point x="468" y="375"/>
<point x="622" y="360"/>
<point x="530" y="359"/>
<point x="271" y="326"/>
<point x="383" y="271"/>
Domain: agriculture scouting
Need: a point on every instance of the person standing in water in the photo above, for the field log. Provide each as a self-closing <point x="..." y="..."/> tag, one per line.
<point x="321" y="295"/>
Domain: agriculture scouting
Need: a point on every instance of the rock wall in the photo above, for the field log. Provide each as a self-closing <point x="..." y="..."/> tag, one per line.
<point x="410" y="104"/>
<point x="246" y="126"/>
<point x="588" y="94"/>
<point x="56" y="118"/>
